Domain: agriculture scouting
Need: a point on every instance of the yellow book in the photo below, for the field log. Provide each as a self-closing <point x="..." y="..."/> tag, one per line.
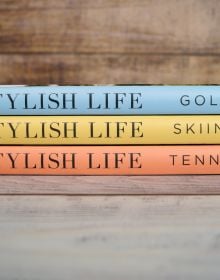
<point x="109" y="130"/>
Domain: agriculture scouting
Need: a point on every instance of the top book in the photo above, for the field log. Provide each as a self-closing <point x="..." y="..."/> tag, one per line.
<point x="109" y="100"/>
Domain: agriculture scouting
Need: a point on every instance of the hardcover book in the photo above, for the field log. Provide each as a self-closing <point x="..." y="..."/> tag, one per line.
<point x="110" y="160"/>
<point x="109" y="130"/>
<point x="109" y="100"/>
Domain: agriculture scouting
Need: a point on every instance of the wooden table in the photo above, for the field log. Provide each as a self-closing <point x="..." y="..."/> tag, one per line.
<point x="77" y="227"/>
<point x="109" y="237"/>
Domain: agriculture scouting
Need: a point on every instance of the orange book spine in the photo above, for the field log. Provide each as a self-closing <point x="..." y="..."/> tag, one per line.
<point x="110" y="160"/>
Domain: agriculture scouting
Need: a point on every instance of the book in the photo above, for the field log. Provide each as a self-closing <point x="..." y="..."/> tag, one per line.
<point x="109" y="130"/>
<point x="109" y="100"/>
<point x="110" y="160"/>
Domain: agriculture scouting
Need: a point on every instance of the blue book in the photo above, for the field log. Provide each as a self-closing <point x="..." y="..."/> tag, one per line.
<point x="109" y="100"/>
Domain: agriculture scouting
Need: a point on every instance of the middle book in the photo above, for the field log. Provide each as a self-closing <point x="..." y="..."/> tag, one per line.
<point x="109" y="130"/>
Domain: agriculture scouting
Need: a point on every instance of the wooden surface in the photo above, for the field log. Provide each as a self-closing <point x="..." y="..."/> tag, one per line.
<point x="71" y="69"/>
<point x="109" y="185"/>
<point x="134" y="237"/>
<point x="109" y="41"/>
<point x="50" y="227"/>
<point x="173" y="26"/>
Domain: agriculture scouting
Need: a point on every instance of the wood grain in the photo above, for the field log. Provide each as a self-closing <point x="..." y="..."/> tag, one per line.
<point x="172" y="237"/>
<point x="66" y="4"/>
<point x="109" y="69"/>
<point x="173" y="26"/>
<point x="109" y="185"/>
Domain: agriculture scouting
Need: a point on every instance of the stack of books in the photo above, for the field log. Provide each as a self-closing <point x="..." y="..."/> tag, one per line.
<point x="110" y="130"/>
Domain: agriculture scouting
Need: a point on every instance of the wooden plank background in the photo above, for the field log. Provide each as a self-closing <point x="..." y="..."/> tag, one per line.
<point x="139" y="27"/>
<point x="109" y="41"/>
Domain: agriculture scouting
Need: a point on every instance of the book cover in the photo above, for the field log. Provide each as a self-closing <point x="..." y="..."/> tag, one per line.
<point x="109" y="130"/>
<point x="109" y="100"/>
<point x="110" y="160"/>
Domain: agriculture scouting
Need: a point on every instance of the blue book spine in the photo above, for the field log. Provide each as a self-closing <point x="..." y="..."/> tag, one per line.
<point x="109" y="100"/>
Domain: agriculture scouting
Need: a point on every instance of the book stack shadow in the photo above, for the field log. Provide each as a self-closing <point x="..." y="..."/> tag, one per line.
<point x="109" y="130"/>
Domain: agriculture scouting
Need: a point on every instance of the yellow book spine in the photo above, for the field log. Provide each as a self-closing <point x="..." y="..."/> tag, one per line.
<point x="109" y="130"/>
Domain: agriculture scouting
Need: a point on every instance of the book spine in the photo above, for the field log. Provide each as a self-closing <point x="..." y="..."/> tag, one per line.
<point x="109" y="100"/>
<point x="110" y="160"/>
<point x="110" y="130"/>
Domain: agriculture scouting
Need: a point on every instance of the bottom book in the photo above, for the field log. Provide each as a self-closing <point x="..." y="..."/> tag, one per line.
<point x="109" y="160"/>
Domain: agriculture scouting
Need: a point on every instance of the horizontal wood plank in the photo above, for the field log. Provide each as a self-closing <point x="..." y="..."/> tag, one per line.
<point x="109" y="69"/>
<point x="66" y="4"/>
<point x="173" y="26"/>
<point x="109" y="185"/>
<point x="171" y="237"/>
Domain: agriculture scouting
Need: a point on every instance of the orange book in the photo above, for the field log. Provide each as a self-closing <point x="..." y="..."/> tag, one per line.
<point x="110" y="160"/>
